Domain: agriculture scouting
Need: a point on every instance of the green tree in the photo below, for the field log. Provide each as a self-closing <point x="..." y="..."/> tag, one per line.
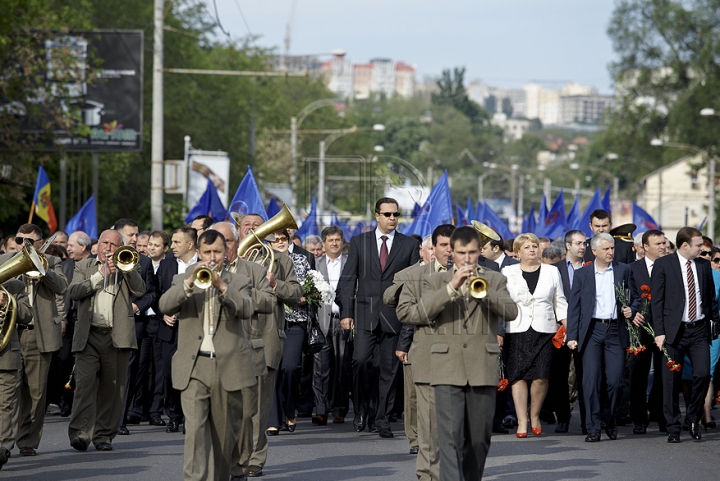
<point x="453" y="92"/>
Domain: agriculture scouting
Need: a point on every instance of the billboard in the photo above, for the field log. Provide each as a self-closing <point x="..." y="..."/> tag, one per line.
<point x="95" y="79"/>
<point x="204" y="165"/>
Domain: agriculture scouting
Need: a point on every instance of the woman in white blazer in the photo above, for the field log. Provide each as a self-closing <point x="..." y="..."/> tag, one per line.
<point x="542" y="308"/>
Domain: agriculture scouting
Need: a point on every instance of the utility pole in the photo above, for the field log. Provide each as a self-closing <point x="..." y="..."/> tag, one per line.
<point x="157" y="154"/>
<point x="321" y="181"/>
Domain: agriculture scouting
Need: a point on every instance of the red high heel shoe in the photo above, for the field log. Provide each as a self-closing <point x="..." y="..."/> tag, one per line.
<point x="520" y="435"/>
<point x="536" y="431"/>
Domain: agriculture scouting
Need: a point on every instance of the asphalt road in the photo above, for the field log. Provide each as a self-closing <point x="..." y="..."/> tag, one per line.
<point x="337" y="453"/>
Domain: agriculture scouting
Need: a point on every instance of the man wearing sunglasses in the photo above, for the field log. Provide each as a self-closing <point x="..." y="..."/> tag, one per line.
<point x="38" y="340"/>
<point x="373" y="260"/>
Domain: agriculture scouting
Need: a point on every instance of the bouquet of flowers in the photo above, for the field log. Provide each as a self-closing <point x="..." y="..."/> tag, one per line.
<point x="316" y="289"/>
<point x="636" y="346"/>
<point x="502" y="381"/>
<point x="646" y="298"/>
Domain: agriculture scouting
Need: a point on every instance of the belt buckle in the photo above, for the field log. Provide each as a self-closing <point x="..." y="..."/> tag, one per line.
<point x="213" y="355"/>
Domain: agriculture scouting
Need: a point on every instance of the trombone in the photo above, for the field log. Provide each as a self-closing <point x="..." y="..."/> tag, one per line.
<point x="125" y="259"/>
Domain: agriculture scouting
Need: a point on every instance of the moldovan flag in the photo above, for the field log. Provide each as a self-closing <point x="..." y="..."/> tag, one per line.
<point x="41" y="201"/>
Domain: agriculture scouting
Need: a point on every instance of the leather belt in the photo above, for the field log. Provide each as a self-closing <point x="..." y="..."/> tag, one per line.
<point x="25" y="327"/>
<point x="209" y="354"/>
<point x="335" y="315"/>
<point x="604" y="321"/>
<point x="697" y="323"/>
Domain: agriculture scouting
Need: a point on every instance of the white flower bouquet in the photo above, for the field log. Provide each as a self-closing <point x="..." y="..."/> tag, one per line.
<point x="317" y="290"/>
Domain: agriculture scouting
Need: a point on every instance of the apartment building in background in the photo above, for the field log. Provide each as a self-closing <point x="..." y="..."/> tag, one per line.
<point x="379" y="76"/>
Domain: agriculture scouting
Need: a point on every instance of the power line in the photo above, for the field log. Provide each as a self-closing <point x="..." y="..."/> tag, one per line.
<point x="217" y="20"/>
<point x="242" y="15"/>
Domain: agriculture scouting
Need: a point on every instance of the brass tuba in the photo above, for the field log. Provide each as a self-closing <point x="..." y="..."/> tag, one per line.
<point x="486" y="233"/>
<point x="253" y="249"/>
<point x="26" y="260"/>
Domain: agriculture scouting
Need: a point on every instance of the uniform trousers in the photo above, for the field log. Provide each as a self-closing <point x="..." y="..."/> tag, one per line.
<point x="427" y="466"/>
<point x="100" y="377"/>
<point x="212" y="421"/>
<point x="266" y="387"/>
<point x="244" y="446"/>
<point x="410" y="406"/>
<point x="9" y="396"/>
<point x="33" y="390"/>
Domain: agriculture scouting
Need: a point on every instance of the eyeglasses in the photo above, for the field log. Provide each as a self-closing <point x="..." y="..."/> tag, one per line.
<point x="390" y="214"/>
<point x="716" y="260"/>
<point x="20" y="240"/>
<point x="280" y="239"/>
<point x="705" y="253"/>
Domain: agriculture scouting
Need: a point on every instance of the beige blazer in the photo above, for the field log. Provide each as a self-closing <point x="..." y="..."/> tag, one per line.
<point x="233" y="350"/>
<point x="464" y="347"/>
<point x="411" y="291"/>
<point x="543" y="308"/>
<point x="48" y="322"/>
<point x="10" y="359"/>
<point x="81" y="290"/>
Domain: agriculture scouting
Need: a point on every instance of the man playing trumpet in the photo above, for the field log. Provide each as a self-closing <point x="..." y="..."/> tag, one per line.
<point x="104" y="335"/>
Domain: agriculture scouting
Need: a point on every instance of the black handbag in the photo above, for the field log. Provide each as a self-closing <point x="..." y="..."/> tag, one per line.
<point x="315" y="337"/>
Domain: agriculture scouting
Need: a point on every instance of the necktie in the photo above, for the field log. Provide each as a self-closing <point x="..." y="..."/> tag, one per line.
<point x="692" y="300"/>
<point x="383" y="253"/>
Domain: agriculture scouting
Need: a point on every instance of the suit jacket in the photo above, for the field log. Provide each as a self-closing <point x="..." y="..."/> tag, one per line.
<point x="464" y="346"/>
<point x="639" y="276"/>
<point x="582" y="303"/>
<point x="82" y="291"/>
<point x="362" y="284"/>
<point x="264" y="301"/>
<point x="234" y="358"/>
<point x="668" y="296"/>
<point x="10" y="359"/>
<point x="405" y="293"/>
<point x="48" y="322"/>
<point x="147" y="300"/>
<point x="541" y="309"/>
<point x="324" y="311"/>
<point x="167" y="270"/>
<point x="287" y="291"/>
<point x="508" y="261"/>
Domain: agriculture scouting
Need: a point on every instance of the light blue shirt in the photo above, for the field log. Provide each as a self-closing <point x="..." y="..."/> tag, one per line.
<point x="605" y="301"/>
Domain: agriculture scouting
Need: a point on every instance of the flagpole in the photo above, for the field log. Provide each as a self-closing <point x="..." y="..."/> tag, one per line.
<point x="32" y="211"/>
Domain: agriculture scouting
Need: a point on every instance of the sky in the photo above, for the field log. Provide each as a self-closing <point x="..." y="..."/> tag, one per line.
<point x="506" y="43"/>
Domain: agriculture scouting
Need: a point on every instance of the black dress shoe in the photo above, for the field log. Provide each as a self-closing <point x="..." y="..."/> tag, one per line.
<point x="561" y="427"/>
<point x="291" y="427"/>
<point x="674" y="438"/>
<point x="123" y="430"/>
<point x="156" y="420"/>
<point x="695" y="431"/>
<point x="78" y="444"/>
<point x="385" y="433"/>
<point x="547" y="417"/>
<point x="172" y="427"/>
<point x="360" y="422"/>
<point x="611" y="433"/>
<point x="254" y="471"/>
<point x="65" y="410"/>
<point x="498" y="428"/>
<point x="414" y="450"/>
<point x="104" y="447"/>
<point x="592" y="438"/>
<point x="319" y="420"/>
<point x="133" y="419"/>
<point x="4" y="456"/>
<point x="272" y="432"/>
<point x="639" y="429"/>
<point x="510" y="421"/>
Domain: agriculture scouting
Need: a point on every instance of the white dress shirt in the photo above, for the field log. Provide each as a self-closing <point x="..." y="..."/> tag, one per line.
<point x="698" y="300"/>
<point x="389" y="241"/>
<point x="649" y="265"/>
<point x="605" y="301"/>
<point x="182" y="267"/>
<point x="334" y="271"/>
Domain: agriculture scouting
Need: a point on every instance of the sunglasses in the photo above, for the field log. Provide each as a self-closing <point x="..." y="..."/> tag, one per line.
<point x="20" y="240"/>
<point x="716" y="260"/>
<point x="280" y="239"/>
<point x="705" y="253"/>
<point x="390" y="214"/>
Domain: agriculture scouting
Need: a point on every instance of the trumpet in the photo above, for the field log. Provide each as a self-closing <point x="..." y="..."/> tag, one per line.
<point x="125" y="259"/>
<point x="476" y="286"/>
<point x="204" y="276"/>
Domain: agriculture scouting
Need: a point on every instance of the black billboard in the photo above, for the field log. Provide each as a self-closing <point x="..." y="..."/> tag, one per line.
<point x="90" y="90"/>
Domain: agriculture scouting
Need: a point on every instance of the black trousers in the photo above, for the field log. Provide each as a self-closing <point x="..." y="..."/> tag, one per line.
<point x="694" y="342"/>
<point x="157" y="386"/>
<point x="464" y="419"/>
<point x="287" y="380"/>
<point x="173" y="407"/>
<point x="602" y="353"/>
<point x="640" y="370"/>
<point x="375" y="370"/>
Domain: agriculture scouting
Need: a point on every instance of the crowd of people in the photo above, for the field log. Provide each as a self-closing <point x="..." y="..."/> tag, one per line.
<point x="191" y="336"/>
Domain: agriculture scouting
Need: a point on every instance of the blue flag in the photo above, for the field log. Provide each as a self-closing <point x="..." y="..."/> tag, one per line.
<point x="85" y="220"/>
<point x="542" y="214"/>
<point x="470" y="212"/>
<point x="529" y="223"/>
<point x="461" y="217"/>
<point x="309" y="225"/>
<point x="606" y="200"/>
<point x="642" y="219"/>
<point x="436" y="210"/>
<point x="574" y="214"/>
<point x="208" y="204"/>
<point x="247" y="199"/>
<point x="554" y="226"/>
<point x="702" y="224"/>
<point x="583" y="222"/>
<point x="273" y="208"/>
<point x="492" y="220"/>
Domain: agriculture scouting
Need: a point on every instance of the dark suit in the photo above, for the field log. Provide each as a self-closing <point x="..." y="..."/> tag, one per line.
<point x="166" y="341"/>
<point x="668" y="309"/>
<point x="639" y="276"/>
<point x="600" y="344"/>
<point x="139" y="362"/>
<point x="359" y="296"/>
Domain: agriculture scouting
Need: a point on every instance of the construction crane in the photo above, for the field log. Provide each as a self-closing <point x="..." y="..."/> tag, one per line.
<point x="288" y="32"/>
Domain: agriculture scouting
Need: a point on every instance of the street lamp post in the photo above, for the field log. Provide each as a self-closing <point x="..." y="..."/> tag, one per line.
<point x="711" y="173"/>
